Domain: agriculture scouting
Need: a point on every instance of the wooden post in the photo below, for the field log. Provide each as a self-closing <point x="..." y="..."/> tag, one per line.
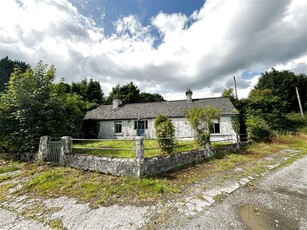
<point x="299" y="102"/>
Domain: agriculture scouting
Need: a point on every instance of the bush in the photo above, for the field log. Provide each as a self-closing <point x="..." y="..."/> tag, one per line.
<point x="165" y="132"/>
<point x="258" y="129"/>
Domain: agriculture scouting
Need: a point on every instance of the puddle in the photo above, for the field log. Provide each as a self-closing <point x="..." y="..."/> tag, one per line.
<point x="259" y="218"/>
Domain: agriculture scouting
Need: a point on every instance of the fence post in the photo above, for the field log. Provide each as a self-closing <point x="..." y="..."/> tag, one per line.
<point x="44" y="148"/>
<point x="65" y="148"/>
<point x="139" y="154"/>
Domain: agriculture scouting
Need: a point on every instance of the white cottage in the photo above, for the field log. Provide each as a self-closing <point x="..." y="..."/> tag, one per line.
<point x="125" y="121"/>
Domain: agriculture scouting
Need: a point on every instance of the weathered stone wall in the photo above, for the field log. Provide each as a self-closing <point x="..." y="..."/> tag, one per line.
<point x="106" y="165"/>
<point x="156" y="165"/>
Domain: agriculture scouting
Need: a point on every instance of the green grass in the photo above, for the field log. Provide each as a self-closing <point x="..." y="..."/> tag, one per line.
<point x="8" y="168"/>
<point x="125" y="148"/>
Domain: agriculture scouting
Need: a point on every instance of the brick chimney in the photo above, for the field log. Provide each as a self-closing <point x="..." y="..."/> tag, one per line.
<point x="189" y="93"/>
<point x="116" y="103"/>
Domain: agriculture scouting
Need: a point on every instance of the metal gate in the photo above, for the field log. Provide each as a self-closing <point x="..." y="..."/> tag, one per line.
<point x="54" y="153"/>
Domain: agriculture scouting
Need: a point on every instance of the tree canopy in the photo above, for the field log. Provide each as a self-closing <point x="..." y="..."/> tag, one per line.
<point x="33" y="105"/>
<point x="7" y="67"/>
<point x="130" y="93"/>
<point x="282" y="84"/>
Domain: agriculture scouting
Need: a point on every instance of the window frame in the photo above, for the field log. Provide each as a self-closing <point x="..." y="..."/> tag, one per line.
<point x="118" y="127"/>
<point x="216" y="126"/>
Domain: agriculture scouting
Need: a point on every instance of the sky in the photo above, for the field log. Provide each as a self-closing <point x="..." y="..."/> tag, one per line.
<point x="162" y="46"/>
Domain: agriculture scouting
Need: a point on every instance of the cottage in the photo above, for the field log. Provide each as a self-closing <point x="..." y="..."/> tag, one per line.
<point x="125" y="121"/>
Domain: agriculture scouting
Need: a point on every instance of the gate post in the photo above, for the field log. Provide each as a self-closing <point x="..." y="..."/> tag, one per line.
<point x="139" y="155"/>
<point x="44" y="148"/>
<point x="65" y="148"/>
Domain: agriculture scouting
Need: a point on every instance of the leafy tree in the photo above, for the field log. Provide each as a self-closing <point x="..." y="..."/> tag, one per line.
<point x="7" y="67"/>
<point x="258" y="129"/>
<point x="282" y="84"/>
<point x="90" y="91"/>
<point x="165" y="132"/>
<point x="130" y="93"/>
<point x="200" y="119"/>
<point x="32" y="106"/>
<point x="267" y="106"/>
<point x="148" y="97"/>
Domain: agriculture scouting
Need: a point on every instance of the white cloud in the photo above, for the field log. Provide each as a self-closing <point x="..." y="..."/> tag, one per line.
<point x="202" y="51"/>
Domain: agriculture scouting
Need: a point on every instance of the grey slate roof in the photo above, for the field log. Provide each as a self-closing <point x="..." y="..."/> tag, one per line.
<point x="153" y="109"/>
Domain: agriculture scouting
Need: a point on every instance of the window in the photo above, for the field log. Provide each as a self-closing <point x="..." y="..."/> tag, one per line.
<point x="216" y="126"/>
<point x="141" y="125"/>
<point x="118" y="127"/>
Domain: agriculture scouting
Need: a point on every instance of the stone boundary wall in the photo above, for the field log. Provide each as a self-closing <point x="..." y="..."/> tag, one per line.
<point x="136" y="167"/>
<point x="106" y="165"/>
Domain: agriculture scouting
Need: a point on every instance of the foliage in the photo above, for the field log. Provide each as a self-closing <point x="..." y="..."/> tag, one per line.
<point x="165" y="132"/>
<point x="282" y="84"/>
<point x="90" y="91"/>
<point x="7" y="67"/>
<point x="258" y="129"/>
<point x="263" y="104"/>
<point x="32" y="106"/>
<point x="201" y="121"/>
<point x="130" y="93"/>
<point x="235" y="122"/>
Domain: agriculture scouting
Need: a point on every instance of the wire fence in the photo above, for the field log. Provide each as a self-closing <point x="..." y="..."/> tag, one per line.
<point x="126" y="147"/>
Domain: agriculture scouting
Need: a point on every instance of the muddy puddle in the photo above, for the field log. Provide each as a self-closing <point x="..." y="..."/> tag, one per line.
<point x="259" y="218"/>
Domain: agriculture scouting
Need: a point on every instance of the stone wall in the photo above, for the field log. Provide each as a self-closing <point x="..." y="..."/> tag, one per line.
<point x="106" y="165"/>
<point x="138" y="166"/>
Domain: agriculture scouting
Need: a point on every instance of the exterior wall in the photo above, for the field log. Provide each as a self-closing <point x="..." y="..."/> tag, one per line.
<point x="182" y="130"/>
<point x="227" y="133"/>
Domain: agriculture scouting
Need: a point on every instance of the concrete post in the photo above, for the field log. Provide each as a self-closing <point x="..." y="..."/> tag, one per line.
<point x="44" y="148"/>
<point x="139" y="154"/>
<point x="65" y="148"/>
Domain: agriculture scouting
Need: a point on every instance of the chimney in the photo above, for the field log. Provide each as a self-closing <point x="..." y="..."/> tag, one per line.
<point x="116" y="103"/>
<point x="189" y="93"/>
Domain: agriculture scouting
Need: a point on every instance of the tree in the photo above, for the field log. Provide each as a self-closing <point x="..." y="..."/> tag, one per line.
<point x="257" y="129"/>
<point x="282" y="84"/>
<point x="32" y="106"/>
<point x="264" y="104"/>
<point x="165" y="132"/>
<point x="7" y="67"/>
<point x="130" y="93"/>
<point x="200" y="119"/>
<point x="90" y="91"/>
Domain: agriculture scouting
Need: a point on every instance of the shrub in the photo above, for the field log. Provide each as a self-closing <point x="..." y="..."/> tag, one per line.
<point x="165" y="132"/>
<point x="258" y="129"/>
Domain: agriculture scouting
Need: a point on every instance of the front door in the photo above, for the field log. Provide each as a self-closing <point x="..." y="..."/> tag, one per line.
<point x="140" y="132"/>
<point x="140" y="128"/>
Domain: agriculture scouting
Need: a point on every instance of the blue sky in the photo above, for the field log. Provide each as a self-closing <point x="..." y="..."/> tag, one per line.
<point x="163" y="46"/>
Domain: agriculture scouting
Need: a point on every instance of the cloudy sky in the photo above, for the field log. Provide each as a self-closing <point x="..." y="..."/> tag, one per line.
<point x="163" y="46"/>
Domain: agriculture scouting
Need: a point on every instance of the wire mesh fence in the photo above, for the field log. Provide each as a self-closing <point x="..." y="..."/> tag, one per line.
<point x="104" y="147"/>
<point x="126" y="147"/>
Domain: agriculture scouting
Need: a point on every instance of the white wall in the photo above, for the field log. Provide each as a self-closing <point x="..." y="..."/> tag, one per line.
<point x="182" y="130"/>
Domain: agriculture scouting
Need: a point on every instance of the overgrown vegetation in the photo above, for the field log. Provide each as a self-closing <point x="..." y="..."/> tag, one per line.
<point x="165" y="132"/>
<point x="201" y="121"/>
